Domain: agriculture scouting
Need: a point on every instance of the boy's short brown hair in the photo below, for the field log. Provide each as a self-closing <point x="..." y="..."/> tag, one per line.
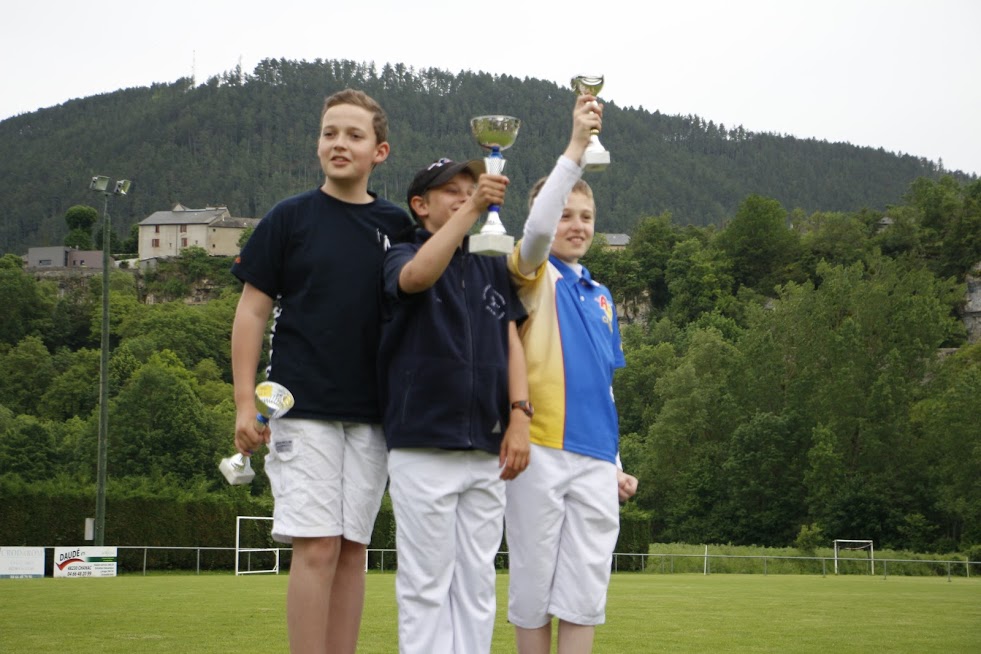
<point x="360" y="99"/>
<point x="579" y="187"/>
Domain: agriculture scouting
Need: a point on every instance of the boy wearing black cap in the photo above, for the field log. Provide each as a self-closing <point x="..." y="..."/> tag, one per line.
<point x="452" y="368"/>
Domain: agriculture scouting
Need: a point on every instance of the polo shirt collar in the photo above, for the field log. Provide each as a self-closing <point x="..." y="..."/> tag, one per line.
<point x="569" y="276"/>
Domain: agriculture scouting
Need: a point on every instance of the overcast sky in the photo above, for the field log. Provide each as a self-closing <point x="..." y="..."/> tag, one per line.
<point x="896" y="74"/>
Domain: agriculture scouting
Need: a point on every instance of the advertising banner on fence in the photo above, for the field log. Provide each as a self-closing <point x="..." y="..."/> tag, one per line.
<point x="85" y="561"/>
<point x="21" y="562"/>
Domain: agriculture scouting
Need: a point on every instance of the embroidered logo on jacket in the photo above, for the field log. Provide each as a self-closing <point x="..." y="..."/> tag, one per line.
<point x="494" y="302"/>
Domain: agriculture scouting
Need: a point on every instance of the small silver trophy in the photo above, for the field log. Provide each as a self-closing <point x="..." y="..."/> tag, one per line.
<point x="596" y="157"/>
<point x="493" y="133"/>
<point x="272" y="400"/>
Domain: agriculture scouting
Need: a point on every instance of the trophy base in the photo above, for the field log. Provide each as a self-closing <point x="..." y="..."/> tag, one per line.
<point x="491" y="245"/>
<point x="237" y="470"/>
<point x="595" y="160"/>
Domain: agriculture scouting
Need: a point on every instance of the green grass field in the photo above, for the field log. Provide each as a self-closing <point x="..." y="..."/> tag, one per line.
<point x="187" y="614"/>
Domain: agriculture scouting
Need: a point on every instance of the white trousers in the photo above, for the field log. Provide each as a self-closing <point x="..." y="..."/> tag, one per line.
<point x="449" y="514"/>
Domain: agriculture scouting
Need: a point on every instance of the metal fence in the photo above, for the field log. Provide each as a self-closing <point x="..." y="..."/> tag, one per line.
<point x="142" y="559"/>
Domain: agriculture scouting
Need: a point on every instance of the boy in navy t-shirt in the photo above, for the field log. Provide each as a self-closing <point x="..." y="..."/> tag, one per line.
<point x="314" y="262"/>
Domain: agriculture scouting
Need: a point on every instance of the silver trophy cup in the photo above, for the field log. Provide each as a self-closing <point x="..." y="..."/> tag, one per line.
<point x="596" y="157"/>
<point x="272" y="400"/>
<point x="494" y="134"/>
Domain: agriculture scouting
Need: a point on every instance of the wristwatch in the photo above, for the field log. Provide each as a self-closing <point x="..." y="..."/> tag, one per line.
<point x="524" y="405"/>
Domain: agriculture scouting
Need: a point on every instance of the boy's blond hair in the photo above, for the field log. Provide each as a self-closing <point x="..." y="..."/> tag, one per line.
<point x="379" y="121"/>
<point x="579" y="187"/>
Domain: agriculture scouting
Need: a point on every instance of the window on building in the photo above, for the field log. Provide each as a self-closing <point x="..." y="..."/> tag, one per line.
<point x="156" y="229"/>
<point x="183" y="242"/>
<point x="183" y="229"/>
<point x="155" y="243"/>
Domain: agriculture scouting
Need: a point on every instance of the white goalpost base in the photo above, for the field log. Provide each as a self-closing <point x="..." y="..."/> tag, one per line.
<point x="843" y="544"/>
<point x="239" y="550"/>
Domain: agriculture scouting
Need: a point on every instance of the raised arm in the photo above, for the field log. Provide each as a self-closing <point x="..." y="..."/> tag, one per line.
<point x="432" y="258"/>
<point x="546" y="212"/>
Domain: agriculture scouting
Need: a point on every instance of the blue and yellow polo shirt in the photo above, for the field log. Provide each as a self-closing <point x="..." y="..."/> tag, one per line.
<point x="572" y="346"/>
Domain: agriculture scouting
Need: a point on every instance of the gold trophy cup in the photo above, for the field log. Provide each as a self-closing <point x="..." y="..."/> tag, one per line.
<point x="494" y="134"/>
<point x="596" y="158"/>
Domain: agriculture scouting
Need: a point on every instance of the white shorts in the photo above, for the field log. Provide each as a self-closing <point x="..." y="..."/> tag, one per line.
<point x="449" y="510"/>
<point x="562" y="521"/>
<point x="327" y="478"/>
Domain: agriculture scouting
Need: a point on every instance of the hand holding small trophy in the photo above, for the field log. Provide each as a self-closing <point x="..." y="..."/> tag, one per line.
<point x="596" y="157"/>
<point x="494" y="134"/>
<point x="272" y="400"/>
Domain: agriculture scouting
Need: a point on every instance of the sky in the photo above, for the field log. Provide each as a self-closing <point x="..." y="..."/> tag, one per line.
<point x="898" y="74"/>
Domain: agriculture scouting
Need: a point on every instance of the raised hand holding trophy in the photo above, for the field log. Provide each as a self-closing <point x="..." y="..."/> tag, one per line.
<point x="596" y="157"/>
<point x="272" y="400"/>
<point x="493" y="133"/>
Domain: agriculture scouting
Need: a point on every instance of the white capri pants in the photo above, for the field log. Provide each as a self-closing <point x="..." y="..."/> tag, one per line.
<point x="562" y="521"/>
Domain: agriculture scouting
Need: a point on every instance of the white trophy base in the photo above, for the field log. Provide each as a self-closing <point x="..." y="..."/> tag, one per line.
<point x="491" y="245"/>
<point x="595" y="160"/>
<point x="237" y="470"/>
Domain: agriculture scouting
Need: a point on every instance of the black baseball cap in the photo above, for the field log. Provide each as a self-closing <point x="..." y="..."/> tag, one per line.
<point x="438" y="173"/>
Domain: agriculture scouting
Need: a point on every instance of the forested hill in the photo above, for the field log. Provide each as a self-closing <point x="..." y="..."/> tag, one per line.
<point x="246" y="140"/>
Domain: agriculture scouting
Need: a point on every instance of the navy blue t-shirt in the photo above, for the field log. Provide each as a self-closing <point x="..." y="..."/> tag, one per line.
<point x="320" y="259"/>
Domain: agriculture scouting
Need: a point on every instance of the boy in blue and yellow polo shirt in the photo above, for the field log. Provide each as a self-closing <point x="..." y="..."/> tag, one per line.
<point x="562" y="515"/>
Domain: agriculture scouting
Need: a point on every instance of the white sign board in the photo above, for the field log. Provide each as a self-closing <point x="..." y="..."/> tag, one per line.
<point x="21" y="562"/>
<point x="85" y="561"/>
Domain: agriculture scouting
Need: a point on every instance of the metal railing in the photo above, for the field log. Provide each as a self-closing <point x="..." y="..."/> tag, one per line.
<point x="144" y="558"/>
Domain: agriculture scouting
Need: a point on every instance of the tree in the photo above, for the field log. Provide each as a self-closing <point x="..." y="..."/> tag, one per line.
<point x="158" y="425"/>
<point x="75" y="390"/>
<point x="687" y="443"/>
<point x="81" y="217"/>
<point x="650" y="246"/>
<point x="27" y="447"/>
<point x="763" y="472"/>
<point x="698" y="281"/>
<point x="945" y="422"/>
<point x="79" y="239"/>
<point x="846" y="359"/>
<point x="190" y="332"/>
<point x="26" y="306"/>
<point x="759" y="243"/>
<point x="835" y="237"/>
<point x="246" y="235"/>
<point x="27" y="373"/>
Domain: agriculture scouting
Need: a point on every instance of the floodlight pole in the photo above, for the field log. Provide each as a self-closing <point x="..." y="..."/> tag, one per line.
<point x="100" y="494"/>
<point x="101" y="184"/>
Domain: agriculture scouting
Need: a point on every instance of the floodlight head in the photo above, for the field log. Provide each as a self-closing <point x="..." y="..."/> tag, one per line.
<point x="122" y="187"/>
<point x="99" y="183"/>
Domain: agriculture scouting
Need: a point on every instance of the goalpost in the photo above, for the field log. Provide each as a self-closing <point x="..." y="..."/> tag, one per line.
<point x="845" y="544"/>
<point x="239" y="550"/>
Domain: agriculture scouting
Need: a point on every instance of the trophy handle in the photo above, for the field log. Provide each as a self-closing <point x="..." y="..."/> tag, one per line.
<point x="494" y="164"/>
